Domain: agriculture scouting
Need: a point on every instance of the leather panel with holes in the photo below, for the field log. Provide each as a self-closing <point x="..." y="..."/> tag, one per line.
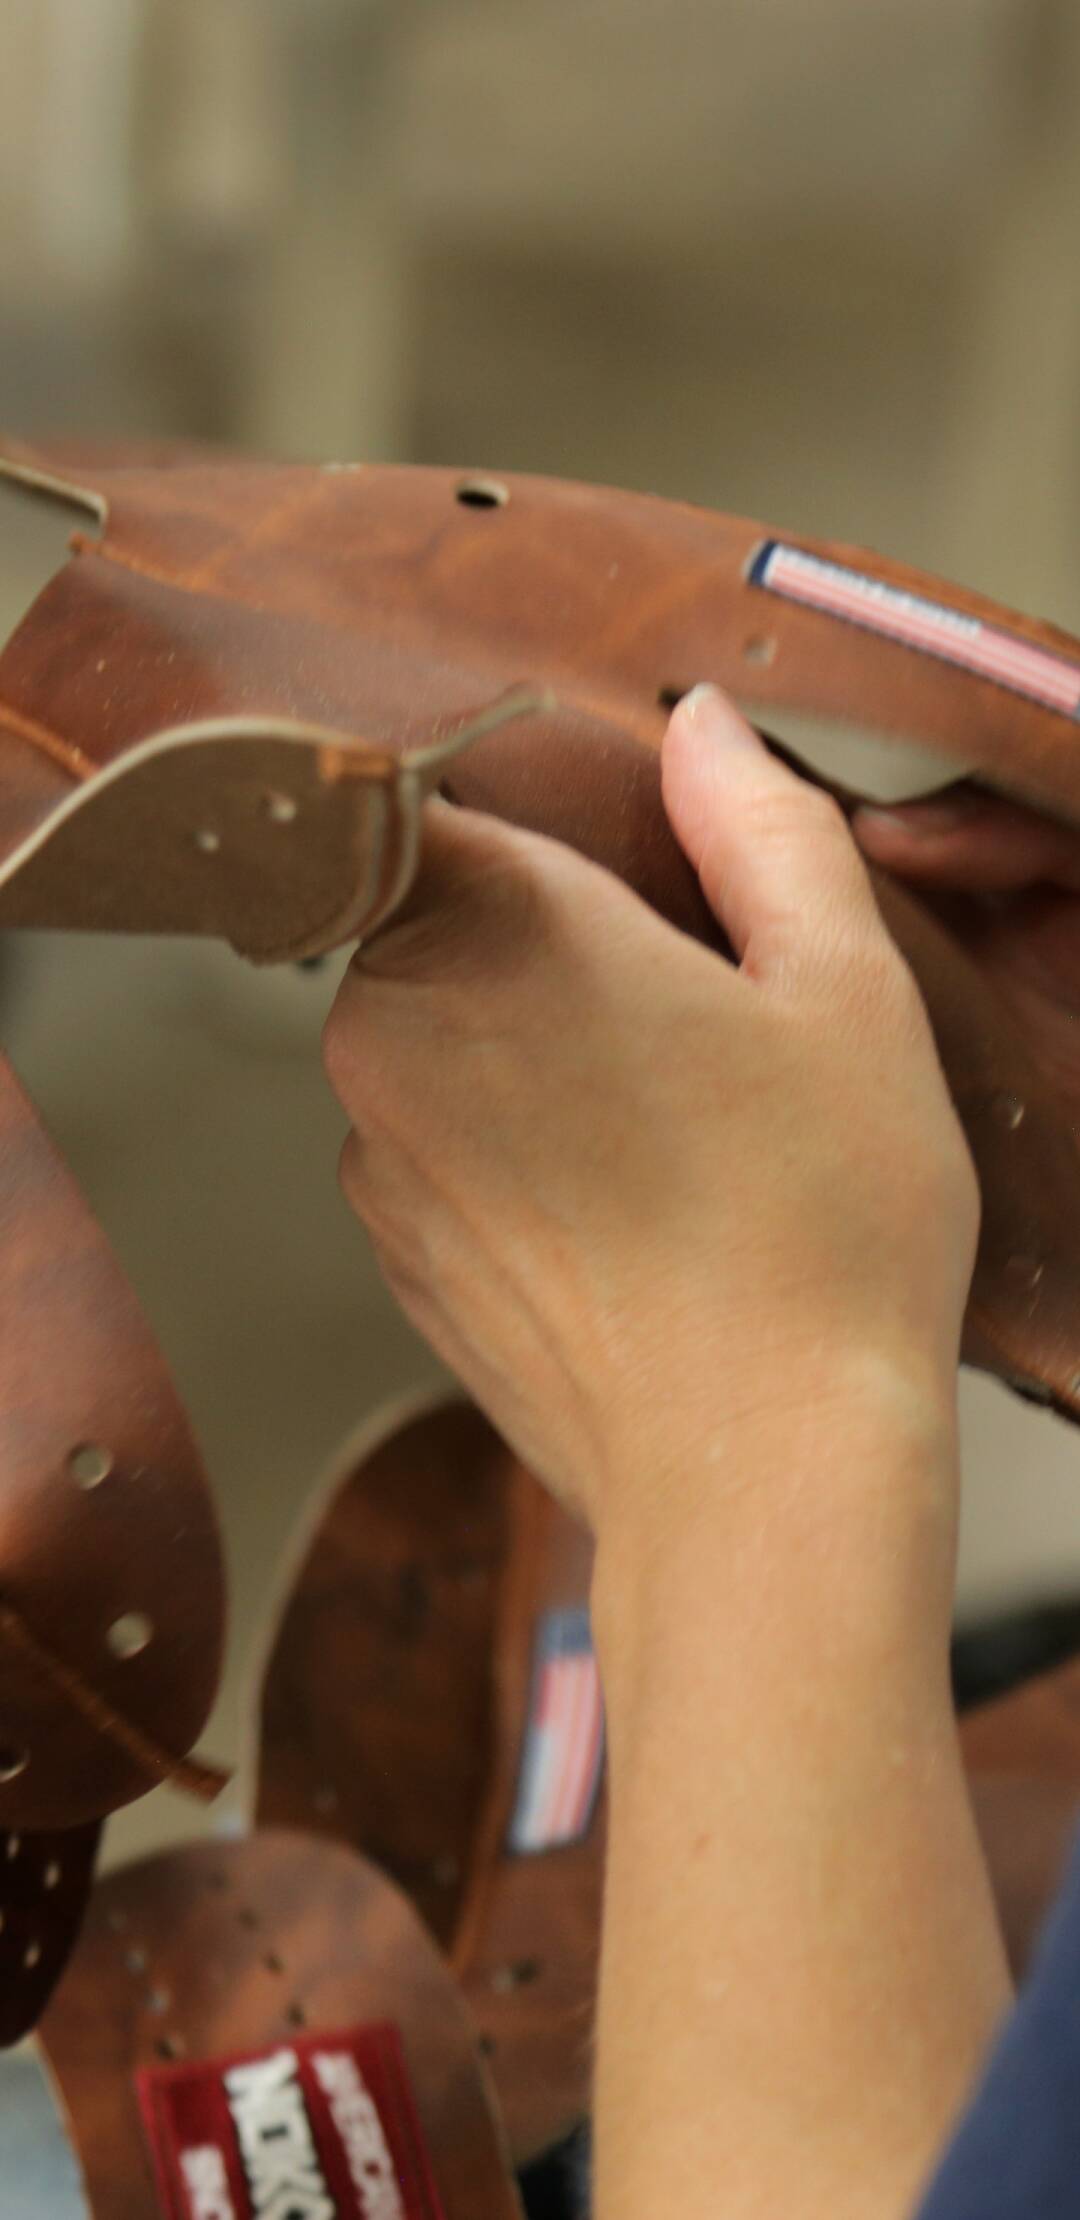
<point x="302" y="655"/>
<point x="336" y="639"/>
<point x="227" y="1949"/>
<point x="439" y="1608"/>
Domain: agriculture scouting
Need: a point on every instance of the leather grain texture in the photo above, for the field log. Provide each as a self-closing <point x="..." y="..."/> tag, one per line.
<point x="222" y="716"/>
<point x="394" y="1712"/>
<point x="222" y="1948"/>
<point x="44" y="1884"/>
<point x="213" y="720"/>
<point x="112" y="1602"/>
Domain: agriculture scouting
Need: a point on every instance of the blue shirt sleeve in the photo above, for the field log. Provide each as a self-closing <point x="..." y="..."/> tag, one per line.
<point x="1016" y="2154"/>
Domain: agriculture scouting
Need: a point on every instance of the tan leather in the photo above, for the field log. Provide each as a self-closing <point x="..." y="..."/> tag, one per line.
<point x="393" y="1715"/>
<point x="222" y="717"/>
<point x="223" y="1948"/>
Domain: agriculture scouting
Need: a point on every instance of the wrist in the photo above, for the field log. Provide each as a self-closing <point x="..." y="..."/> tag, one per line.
<point x="827" y="1499"/>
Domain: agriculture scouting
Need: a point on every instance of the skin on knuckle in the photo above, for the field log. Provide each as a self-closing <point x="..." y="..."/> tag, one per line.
<point x="793" y="809"/>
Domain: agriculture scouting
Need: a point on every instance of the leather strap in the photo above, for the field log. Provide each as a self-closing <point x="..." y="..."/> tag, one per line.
<point x="431" y="1697"/>
<point x="220" y="1950"/>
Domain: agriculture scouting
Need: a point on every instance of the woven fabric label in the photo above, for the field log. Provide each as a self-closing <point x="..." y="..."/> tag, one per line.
<point x="563" y="1755"/>
<point x="915" y="622"/>
<point x="323" y="2128"/>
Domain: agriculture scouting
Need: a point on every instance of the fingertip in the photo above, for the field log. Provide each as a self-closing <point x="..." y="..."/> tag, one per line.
<point x="704" y="732"/>
<point x="914" y="824"/>
<point x="707" y="717"/>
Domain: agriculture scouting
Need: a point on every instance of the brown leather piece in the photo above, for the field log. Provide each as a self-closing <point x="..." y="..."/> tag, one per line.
<point x="1034" y="1730"/>
<point x="1022" y="1753"/>
<point x="221" y="1948"/>
<point x="111" y="1584"/>
<point x="373" y="610"/>
<point x="44" y="1884"/>
<point x="1027" y="1828"/>
<point x="393" y="1711"/>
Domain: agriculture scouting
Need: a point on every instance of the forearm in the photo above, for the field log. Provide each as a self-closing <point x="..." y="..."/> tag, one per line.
<point x="801" y="1964"/>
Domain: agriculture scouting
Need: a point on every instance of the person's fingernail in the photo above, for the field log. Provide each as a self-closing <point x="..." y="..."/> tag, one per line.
<point x="921" y="820"/>
<point x="711" y="712"/>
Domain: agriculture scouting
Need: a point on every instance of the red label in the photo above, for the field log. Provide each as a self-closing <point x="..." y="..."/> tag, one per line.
<point x="323" y="2128"/>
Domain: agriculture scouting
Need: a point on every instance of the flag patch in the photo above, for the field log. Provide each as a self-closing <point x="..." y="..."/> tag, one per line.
<point x="563" y="1755"/>
<point x="323" y="2128"/>
<point x="915" y="622"/>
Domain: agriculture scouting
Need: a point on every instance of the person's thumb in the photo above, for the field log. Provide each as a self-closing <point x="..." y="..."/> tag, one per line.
<point x="776" y="861"/>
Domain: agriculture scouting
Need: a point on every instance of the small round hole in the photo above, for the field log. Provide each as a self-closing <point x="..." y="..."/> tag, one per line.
<point x="280" y="808"/>
<point x="759" y="648"/>
<point x="129" y="1635"/>
<point x="296" y="2015"/>
<point x="482" y="493"/>
<point x="52" y="1875"/>
<point x="32" y="1956"/>
<point x="273" y="1963"/>
<point x="90" y="1464"/>
<point x="170" y="2046"/>
<point x="12" y="1763"/>
<point x="247" y="1917"/>
<point x="515" y="1976"/>
<point x="207" y="841"/>
<point x="486" y="2046"/>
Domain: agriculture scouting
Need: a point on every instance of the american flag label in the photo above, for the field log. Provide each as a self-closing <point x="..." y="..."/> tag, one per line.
<point x="918" y="623"/>
<point x="323" y="2128"/>
<point x="563" y="1754"/>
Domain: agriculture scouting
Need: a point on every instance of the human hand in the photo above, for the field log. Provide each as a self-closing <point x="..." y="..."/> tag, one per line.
<point x="1007" y="882"/>
<point x="640" y="1200"/>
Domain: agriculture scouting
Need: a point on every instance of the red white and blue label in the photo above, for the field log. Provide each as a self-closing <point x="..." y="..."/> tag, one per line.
<point x="323" y="2128"/>
<point x="563" y="1755"/>
<point x="916" y="622"/>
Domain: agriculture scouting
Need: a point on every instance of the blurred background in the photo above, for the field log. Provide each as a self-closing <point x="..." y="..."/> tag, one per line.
<point x="814" y="262"/>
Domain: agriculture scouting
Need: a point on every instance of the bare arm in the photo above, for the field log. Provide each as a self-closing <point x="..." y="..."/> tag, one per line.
<point x="801" y="1966"/>
<point x="699" y="1239"/>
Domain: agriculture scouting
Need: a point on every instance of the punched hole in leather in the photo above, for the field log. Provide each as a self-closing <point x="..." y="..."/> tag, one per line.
<point x="222" y="716"/>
